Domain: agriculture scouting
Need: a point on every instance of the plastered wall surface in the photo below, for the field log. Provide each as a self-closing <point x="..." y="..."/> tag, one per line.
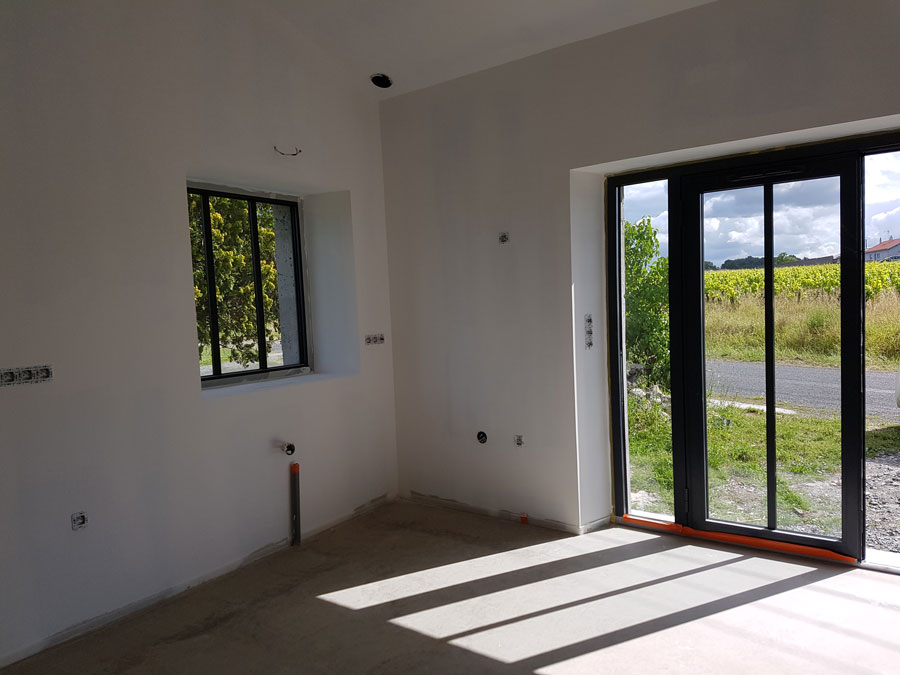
<point x="483" y="334"/>
<point x="106" y="110"/>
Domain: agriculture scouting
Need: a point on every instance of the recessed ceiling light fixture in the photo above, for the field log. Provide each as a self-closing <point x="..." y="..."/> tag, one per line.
<point x="381" y="80"/>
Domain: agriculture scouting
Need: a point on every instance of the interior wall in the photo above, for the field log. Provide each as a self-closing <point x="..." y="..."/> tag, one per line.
<point x="107" y="110"/>
<point x="483" y="333"/>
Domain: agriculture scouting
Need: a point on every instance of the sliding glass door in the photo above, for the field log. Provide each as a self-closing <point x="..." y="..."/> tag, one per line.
<point x="773" y="366"/>
<point x="737" y="346"/>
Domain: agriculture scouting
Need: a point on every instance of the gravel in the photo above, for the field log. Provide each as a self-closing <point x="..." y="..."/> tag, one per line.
<point x="883" y="503"/>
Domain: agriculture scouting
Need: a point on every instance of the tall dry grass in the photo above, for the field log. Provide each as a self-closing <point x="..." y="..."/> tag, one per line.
<point x="807" y="330"/>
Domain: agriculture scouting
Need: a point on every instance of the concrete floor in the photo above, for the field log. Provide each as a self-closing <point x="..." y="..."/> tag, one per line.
<point x="416" y="589"/>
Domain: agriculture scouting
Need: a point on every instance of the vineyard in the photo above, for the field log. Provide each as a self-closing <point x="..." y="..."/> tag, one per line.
<point x="814" y="281"/>
<point x="807" y="315"/>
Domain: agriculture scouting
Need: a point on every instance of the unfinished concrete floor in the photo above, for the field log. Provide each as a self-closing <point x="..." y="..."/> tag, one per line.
<point x="417" y="589"/>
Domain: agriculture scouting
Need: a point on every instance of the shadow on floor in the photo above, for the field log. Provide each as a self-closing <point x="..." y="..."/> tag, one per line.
<point x="415" y="589"/>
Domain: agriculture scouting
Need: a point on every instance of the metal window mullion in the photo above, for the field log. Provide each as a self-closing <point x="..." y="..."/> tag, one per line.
<point x="853" y="373"/>
<point x="257" y="282"/>
<point x="616" y="323"/>
<point x="299" y="290"/>
<point x="211" y="289"/>
<point x="677" y="293"/>
<point x="693" y="351"/>
<point x="769" y="294"/>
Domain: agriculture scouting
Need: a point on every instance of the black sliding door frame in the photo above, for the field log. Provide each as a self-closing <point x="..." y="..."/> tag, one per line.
<point x="686" y="183"/>
<point x="852" y="370"/>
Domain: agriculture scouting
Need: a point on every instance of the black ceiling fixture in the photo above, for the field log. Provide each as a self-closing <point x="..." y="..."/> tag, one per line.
<point x="381" y="80"/>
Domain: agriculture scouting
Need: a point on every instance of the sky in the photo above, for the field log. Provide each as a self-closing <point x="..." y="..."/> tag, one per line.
<point x="806" y="215"/>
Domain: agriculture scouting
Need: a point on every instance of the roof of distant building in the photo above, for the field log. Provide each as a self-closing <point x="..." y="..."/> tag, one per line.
<point x="890" y="243"/>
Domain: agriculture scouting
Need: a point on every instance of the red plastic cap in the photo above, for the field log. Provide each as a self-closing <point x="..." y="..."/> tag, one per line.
<point x="295" y="468"/>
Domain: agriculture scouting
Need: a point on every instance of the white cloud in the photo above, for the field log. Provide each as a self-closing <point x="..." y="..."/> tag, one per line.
<point x="879" y="217"/>
<point x="882" y="195"/>
<point x="806" y="218"/>
<point x="649" y="199"/>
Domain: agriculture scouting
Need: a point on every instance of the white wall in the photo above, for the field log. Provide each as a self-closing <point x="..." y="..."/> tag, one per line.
<point x="106" y="110"/>
<point x="483" y="334"/>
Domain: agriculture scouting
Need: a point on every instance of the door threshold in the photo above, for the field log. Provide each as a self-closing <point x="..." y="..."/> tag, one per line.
<point x="742" y="540"/>
<point x="883" y="561"/>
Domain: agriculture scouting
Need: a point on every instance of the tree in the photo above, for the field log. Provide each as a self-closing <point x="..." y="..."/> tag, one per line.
<point x="707" y="265"/>
<point x="646" y="302"/>
<point x="235" y="289"/>
<point x="748" y="263"/>
<point x="784" y="258"/>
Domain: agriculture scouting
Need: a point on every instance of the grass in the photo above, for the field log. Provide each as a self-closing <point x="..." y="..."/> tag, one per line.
<point x="206" y="356"/>
<point x="808" y="456"/>
<point x="807" y="331"/>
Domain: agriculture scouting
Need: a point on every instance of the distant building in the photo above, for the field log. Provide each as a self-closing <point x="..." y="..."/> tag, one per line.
<point x="824" y="260"/>
<point x="884" y="250"/>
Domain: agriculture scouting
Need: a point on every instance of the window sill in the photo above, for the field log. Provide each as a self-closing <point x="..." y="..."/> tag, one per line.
<point x="262" y="381"/>
<point x="255" y="377"/>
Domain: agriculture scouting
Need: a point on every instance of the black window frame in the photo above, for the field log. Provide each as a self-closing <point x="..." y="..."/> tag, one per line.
<point x="686" y="331"/>
<point x="210" y="265"/>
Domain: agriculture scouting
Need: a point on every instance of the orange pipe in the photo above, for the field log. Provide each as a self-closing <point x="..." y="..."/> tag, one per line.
<point x="740" y="539"/>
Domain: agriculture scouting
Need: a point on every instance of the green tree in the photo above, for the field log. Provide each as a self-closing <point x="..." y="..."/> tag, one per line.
<point x="235" y="284"/>
<point x="785" y="258"/>
<point x="646" y="302"/>
<point x="748" y="263"/>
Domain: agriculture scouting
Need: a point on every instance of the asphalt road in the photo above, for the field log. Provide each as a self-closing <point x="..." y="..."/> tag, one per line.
<point x="801" y="386"/>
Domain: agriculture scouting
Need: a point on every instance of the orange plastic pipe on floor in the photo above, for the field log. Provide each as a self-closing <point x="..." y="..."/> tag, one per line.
<point x="744" y="540"/>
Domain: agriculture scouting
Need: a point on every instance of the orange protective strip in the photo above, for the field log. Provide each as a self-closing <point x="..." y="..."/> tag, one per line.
<point x="295" y="467"/>
<point x="741" y="539"/>
<point x="655" y="524"/>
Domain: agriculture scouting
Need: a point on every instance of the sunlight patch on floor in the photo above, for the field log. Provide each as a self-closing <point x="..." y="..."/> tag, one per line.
<point x="556" y="630"/>
<point x="823" y="627"/>
<point x="540" y="596"/>
<point x="466" y="571"/>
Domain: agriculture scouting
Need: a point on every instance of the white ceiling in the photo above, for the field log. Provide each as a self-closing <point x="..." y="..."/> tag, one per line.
<point x="424" y="42"/>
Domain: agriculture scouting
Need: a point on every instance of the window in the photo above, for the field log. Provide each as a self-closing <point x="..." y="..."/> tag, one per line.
<point x="248" y="285"/>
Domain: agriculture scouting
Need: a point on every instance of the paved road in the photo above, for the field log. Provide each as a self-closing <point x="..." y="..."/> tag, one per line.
<point x="801" y="385"/>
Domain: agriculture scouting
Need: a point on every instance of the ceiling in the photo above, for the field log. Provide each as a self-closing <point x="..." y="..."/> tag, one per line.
<point x="423" y="42"/>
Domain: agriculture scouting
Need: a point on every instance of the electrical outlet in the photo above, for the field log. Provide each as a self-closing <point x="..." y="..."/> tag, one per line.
<point x="25" y="375"/>
<point x="79" y="520"/>
<point x="588" y="331"/>
<point x="519" y="440"/>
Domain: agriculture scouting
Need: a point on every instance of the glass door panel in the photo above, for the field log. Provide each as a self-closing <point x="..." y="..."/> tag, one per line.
<point x="882" y="263"/>
<point x="807" y="348"/>
<point x="648" y="409"/>
<point x="734" y="332"/>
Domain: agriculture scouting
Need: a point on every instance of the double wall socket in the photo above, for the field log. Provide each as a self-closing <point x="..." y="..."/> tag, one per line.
<point x="375" y="339"/>
<point x="25" y="375"/>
